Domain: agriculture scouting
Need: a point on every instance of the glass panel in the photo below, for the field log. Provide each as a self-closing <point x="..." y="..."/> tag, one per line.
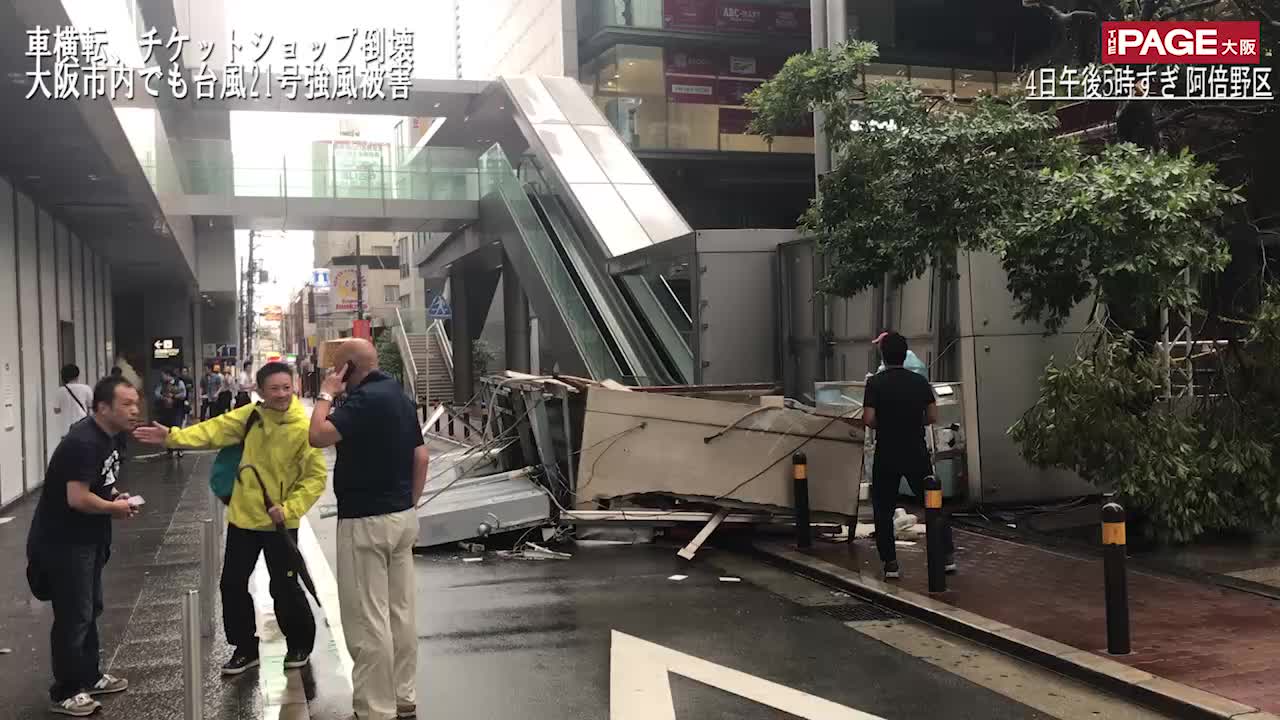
<point x="534" y="100"/>
<point x="879" y="73"/>
<point x="1008" y="83"/>
<point x="574" y="103"/>
<point x="651" y="208"/>
<point x="618" y="162"/>
<point x="972" y="83"/>
<point x="932" y="80"/>
<point x="497" y="176"/>
<point x="693" y="127"/>
<point x="613" y="221"/>
<point x="570" y="156"/>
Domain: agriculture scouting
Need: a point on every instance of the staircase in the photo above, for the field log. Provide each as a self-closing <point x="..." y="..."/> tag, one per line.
<point x="418" y="348"/>
<point x="437" y="370"/>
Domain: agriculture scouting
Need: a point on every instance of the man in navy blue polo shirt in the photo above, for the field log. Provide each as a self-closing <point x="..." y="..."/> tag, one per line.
<point x="378" y="478"/>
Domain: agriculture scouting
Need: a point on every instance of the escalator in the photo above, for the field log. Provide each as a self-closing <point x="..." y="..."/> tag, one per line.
<point x="578" y="199"/>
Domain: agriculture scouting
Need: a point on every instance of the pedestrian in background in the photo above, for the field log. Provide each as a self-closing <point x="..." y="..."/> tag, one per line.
<point x="212" y="390"/>
<point x="294" y="475"/>
<point x="70" y="542"/>
<point x="899" y="405"/>
<point x="244" y="386"/>
<point x="379" y="475"/>
<point x="71" y="403"/>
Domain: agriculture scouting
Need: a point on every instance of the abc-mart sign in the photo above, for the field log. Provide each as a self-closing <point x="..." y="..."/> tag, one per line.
<point x="1181" y="43"/>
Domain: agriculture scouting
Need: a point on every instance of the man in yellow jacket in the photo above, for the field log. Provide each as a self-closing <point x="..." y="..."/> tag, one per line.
<point x="294" y="474"/>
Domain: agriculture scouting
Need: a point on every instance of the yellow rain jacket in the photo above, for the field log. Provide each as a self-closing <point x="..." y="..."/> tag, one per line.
<point x="293" y="471"/>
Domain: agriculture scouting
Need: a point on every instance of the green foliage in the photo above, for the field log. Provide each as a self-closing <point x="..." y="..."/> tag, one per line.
<point x="389" y="358"/>
<point x="916" y="180"/>
<point x="482" y="357"/>
<point x="1186" y="466"/>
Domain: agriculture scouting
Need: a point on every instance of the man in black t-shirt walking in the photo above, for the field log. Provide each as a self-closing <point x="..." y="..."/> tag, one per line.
<point x="70" y="542"/>
<point x="899" y="405"/>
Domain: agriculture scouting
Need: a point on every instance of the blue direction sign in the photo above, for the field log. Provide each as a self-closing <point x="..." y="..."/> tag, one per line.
<point x="439" y="309"/>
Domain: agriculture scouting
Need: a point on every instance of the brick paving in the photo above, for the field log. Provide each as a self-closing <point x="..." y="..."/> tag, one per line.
<point x="1219" y="640"/>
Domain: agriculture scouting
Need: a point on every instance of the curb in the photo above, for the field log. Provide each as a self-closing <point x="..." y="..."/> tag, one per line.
<point x="1097" y="670"/>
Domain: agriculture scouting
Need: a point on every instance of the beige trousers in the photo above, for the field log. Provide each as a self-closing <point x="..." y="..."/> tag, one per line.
<point x="376" y="592"/>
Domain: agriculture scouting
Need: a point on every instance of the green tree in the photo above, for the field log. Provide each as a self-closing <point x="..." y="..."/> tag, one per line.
<point x="389" y="358"/>
<point x="916" y="181"/>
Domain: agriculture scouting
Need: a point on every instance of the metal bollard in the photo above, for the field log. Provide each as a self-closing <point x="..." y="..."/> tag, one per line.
<point x="450" y="425"/>
<point x="208" y="575"/>
<point x="800" y="475"/>
<point x="192" y="674"/>
<point x="1116" y="585"/>
<point x="466" y="425"/>
<point x="934" y="553"/>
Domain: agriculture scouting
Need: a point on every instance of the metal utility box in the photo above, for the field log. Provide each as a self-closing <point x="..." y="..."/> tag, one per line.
<point x="718" y="287"/>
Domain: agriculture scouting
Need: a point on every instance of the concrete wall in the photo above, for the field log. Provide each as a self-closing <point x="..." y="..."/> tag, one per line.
<point x="47" y="275"/>
<point x="518" y="37"/>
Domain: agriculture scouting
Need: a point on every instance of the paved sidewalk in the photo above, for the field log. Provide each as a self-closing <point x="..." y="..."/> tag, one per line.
<point x="155" y="559"/>
<point x="1217" y="640"/>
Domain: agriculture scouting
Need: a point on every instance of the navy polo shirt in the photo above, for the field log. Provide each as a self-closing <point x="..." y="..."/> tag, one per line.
<point x="374" y="471"/>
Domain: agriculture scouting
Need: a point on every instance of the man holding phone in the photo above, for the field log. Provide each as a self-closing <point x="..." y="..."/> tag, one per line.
<point x="70" y="543"/>
<point x="379" y="475"/>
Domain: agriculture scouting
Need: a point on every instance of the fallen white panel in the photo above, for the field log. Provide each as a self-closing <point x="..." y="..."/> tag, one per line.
<point x="477" y="506"/>
<point x="635" y="442"/>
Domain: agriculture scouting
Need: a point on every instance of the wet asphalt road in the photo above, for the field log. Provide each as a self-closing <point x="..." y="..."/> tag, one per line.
<point x="507" y="638"/>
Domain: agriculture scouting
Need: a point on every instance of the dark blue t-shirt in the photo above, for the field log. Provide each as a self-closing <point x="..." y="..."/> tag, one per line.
<point x="89" y="455"/>
<point x="380" y="432"/>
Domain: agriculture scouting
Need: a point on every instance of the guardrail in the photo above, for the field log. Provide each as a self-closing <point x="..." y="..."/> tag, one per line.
<point x="406" y="352"/>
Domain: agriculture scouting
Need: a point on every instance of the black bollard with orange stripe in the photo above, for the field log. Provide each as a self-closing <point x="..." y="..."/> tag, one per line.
<point x="1116" y="585"/>
<point x="800" y="475"/>
<point x="935" y="555"/>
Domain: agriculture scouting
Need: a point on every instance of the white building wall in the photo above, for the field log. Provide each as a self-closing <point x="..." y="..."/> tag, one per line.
<point x="517" y="37"/>
<point x="38" y="269"/>
<point x="49" y="324"/>
<point x="30" y="366"/>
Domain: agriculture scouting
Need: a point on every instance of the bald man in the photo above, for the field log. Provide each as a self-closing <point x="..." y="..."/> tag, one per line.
<point x="378" y="478"/>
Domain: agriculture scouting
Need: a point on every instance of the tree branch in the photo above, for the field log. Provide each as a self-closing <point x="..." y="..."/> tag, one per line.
<point x="1179" y="12"/>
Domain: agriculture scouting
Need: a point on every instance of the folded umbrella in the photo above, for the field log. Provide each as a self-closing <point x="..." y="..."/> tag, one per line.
<point x="299" y="564"/>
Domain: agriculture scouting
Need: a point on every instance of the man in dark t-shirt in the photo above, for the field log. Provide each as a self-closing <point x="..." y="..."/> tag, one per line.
<point x="899" y="404"/>
<point x="70" y="542"/>
<point x="378" y="478"/>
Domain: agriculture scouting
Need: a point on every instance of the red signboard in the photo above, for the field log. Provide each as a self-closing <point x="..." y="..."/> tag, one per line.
<point x="691" y="89"/>
<point x="689" y="14"/>
<point x="734" y="121"/>
<point x="746" y="17"/>
<point x="1177" y="42"/>
<point x="733" y="92"/>
<point x="361" y="329"/>
<point x="693" y="62"/>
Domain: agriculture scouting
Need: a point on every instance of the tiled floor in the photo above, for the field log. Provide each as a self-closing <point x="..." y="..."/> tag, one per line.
<point x="1219" y="640"/>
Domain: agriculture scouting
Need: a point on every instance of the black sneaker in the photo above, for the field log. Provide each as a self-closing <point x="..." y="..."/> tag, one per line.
<point x="240" y="661"/>
<point x="892" y="571"/>
<point x="296" y="659"/>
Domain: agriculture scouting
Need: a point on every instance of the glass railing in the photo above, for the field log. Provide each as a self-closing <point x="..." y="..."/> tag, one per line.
<point x="497" y="176"/>
<point x="210" y="168"/>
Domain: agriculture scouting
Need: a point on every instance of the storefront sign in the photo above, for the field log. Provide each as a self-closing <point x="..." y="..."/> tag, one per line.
<point x="734" y="92"/>
<point x="743" y="66"/>
<point x="744" y="17"/>
<point x="689" y="14"/>
<point x="790" y="20"/>
<point x="692" y="62"/>
<point x="344" y="286"/>
<point x="690" y="89"/>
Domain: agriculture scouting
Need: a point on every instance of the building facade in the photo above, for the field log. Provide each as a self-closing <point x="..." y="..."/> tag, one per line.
<point x="670" y="75"/>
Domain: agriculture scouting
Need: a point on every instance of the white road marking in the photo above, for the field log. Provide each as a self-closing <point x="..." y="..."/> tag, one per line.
<point x="327" y="588"/>
<point x="640" y="687"/>
<point x="5" y="520"/>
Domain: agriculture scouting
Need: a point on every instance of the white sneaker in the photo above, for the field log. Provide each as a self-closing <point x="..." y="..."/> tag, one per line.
<point x="76" y="706"/>
<point x="108" y="684"/>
